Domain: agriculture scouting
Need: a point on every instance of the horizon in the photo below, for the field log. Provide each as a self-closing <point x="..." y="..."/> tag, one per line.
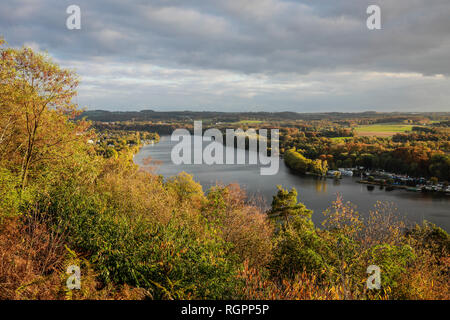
<point x="283" y="111"/>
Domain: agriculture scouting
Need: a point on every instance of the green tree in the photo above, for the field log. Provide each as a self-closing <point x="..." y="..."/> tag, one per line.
<point x="319" y="167"/>
<point x="296" y="161"/>
<point x="440" y="166"/>
<point x="285" y="205"/>
<point x="36" y="98"/>
<point x="298" y="248"/>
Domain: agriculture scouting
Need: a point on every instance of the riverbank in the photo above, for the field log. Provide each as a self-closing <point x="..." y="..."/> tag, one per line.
<point x="316" y="193"/>
<point x="389" y="187"/>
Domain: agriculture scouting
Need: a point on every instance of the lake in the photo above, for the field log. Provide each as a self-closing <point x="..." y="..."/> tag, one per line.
<point x="317" y="194"/>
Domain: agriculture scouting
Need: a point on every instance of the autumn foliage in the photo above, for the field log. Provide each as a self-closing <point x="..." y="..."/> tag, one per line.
<point x="136" y="235"/>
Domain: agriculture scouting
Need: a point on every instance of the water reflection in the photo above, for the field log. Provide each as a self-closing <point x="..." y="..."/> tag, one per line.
<point x="321" y="185"/>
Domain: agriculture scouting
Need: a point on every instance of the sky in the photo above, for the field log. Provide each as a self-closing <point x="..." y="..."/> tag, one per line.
<point x="244" y="55"/>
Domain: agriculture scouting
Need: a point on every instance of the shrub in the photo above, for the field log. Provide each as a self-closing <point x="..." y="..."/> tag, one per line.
<point x="298" y="248"/>
<point x="30" y="259"/>
<point x="183" y="257"/>
<point x="242" y="224"/>
<point x="9" y="194"/>
<point x="392" y="261"/>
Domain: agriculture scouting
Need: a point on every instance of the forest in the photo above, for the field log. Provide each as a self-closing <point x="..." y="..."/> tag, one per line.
<point x="70" y="194"/>
<point x="414" y="145"/>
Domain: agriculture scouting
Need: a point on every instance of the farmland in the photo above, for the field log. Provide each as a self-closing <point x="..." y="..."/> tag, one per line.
<point x="382" y="130"/>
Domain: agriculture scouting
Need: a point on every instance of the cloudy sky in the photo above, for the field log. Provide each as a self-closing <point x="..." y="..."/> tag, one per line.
<point x="244" y="55"/>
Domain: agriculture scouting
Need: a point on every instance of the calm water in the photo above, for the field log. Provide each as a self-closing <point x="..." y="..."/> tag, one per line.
<point x="316" y="194"/>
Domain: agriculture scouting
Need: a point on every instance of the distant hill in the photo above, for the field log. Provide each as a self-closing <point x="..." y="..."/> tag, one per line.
<point x="150" y="115"/>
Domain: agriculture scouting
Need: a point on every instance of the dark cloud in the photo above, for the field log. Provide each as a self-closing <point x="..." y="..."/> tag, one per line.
<point x="269" y="53"/>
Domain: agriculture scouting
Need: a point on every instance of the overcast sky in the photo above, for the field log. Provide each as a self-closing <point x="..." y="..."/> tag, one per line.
<point x="244" y="55"/>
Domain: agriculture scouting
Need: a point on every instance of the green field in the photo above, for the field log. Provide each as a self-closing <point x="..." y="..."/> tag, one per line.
<point x="384" y="130"/>
<point x="249" y="122"/>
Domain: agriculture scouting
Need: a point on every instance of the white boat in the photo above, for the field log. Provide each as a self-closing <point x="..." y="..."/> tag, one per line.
<point x="346" y="172"/>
